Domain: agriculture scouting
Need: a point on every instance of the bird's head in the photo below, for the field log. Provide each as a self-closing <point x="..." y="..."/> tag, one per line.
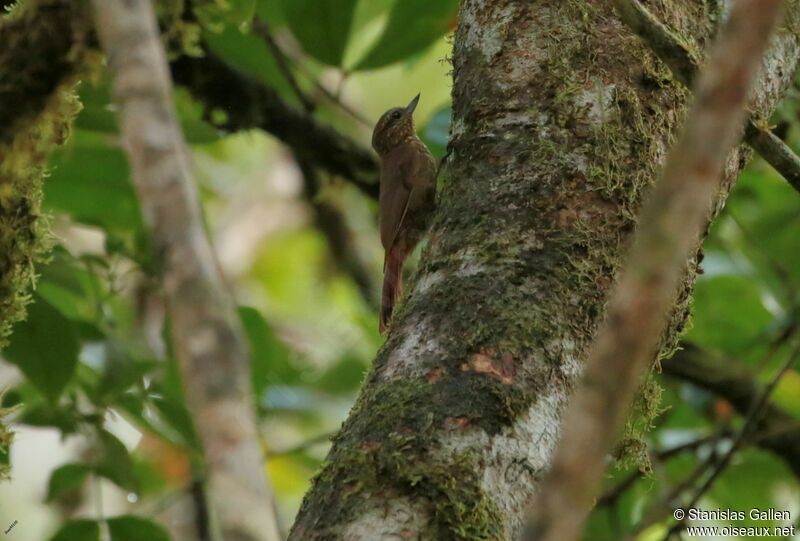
<point x="395" y="126"/>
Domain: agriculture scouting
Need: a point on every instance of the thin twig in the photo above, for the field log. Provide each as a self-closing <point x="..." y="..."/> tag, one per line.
<point x="724" y="379"/>
<point x="613" y="494"/>
<point x="757" y="410"/>
<point x="261" y="28"/>
<point x="332" y="223"/>
<point x="325" y="437"/>
<point x="282" y="58"/>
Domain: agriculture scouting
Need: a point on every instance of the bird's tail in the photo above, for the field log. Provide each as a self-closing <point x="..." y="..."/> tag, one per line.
<point x="392" y="284"/>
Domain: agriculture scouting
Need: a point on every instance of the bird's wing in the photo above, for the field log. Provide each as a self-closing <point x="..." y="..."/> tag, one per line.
<point x="397" y="171"/>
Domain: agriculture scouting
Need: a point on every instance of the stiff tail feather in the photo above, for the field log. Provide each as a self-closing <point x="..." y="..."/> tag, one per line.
<point x="392" y="284"/>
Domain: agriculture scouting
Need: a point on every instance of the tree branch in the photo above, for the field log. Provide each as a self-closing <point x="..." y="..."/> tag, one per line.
<point x="778" y="431"/>
<point x="250" y="104"/>
<point x="670" y="47"/>
<point x="206" y="332"/>
<point x="331" y="222"/>
<point x="671" y="224"/>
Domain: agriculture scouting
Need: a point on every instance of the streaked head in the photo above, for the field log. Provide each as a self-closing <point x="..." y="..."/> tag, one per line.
<point x="395" y="126"/>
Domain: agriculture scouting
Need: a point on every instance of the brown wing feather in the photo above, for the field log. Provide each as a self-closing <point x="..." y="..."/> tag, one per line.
<point x="397" y="172"/>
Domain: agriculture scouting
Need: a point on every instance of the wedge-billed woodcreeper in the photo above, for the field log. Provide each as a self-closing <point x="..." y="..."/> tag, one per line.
<point x="407" y="196"/>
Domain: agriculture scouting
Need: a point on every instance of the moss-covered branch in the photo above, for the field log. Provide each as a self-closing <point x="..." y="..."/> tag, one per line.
<point x="684" y="61"/>
<point x="42" y="52"/>
<point x="673" y="219"/>
<point x="561" y="121"/>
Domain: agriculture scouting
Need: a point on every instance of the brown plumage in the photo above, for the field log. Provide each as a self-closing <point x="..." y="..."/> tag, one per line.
<point x="407" y="196"/>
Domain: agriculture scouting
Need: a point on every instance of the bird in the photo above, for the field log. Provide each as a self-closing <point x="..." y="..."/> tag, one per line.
<point x="407" y="197"/>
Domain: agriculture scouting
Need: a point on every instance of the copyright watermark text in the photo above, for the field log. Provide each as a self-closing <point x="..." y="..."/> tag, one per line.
<point x="693" y="516"/>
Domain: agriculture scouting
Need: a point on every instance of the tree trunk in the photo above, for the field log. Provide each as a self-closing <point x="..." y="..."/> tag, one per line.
<point x="561" y="121"/>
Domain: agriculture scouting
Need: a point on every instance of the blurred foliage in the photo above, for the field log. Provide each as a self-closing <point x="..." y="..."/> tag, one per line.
<point x="95" y="347"/>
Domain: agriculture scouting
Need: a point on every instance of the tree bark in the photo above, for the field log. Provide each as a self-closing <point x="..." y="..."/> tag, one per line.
<point x="561" y="122"/>
<point x="43" y="53"/>
<point x="206" y="332"/>
<point x="668" y="233"/>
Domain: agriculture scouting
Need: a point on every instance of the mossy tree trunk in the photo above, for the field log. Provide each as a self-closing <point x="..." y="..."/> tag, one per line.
<point x="561" y="121"/>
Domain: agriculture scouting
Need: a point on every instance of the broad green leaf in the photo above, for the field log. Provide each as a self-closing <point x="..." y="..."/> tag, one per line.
<point x="729" y="314"/>
<point x="343" y="377"/>
<point x="132" y="528"/>
<point x="115" y="464"/>
<point x="45" y="347"/>
<point x="78" y="530"/>
<point x="321" y="26"/>
<point x="250" y="55"/>
<point x="46" y="415"/>
<point x="92" y="184"/>
<point x="65" y="479"/>
<point x="172" y="410"/>
<point x="270" y="361"/>
<point x="67" y="284"/>
<point x="270" y="10"/>
<point x="413" y="26"/>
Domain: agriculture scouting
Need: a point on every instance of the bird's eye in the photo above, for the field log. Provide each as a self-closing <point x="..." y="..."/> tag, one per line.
<point x="396" y="115"/>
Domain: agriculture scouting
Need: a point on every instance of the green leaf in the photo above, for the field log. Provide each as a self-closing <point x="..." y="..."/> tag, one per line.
<point x="270" y="359"/>
<point x="46" y="415"/>
<point x="132" y="528"/>
<point x="321" y="26"/>
<point x="67" y="284"/>
<point x="173" y="412"/>
<point x="65" y="479"/>
<point x="103" y="173"/>
<point x="45" y="348"/>
<point x="115" y="464"/>
<point x="250" y="55"/>
<point x="78" y="530"/>
<point x="343" y="377"/>
<point x="729" y="314"/>
<point x="414" y="25"/>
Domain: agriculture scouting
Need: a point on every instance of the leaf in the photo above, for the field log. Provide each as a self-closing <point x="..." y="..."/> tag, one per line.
<point x="321" y="26"/>
<point x="103" y="173"/>
<point x="132" y="528"/>
<point x="250" y="55"/>
<point x="78" y="530"/>
<point x="344" y="377"/>
<point x="65" y="479"/>
<point x="115" y="464"/>
<point x="414" y="25"/>
<point x="729" y="314"/>
<point x="45" y="347"/>
<point x="46" y="415"/>
<point x="70" y="287"/>
<point x="173" y="412"/>
<point x="270" y="360"/>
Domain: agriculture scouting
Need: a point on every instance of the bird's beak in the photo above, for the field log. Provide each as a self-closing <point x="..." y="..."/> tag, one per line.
<point x="413" y="105"/>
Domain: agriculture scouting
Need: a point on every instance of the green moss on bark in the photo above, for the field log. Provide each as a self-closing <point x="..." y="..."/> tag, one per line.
<point x="41" y="51"/>
<point x="390" y="450"/>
